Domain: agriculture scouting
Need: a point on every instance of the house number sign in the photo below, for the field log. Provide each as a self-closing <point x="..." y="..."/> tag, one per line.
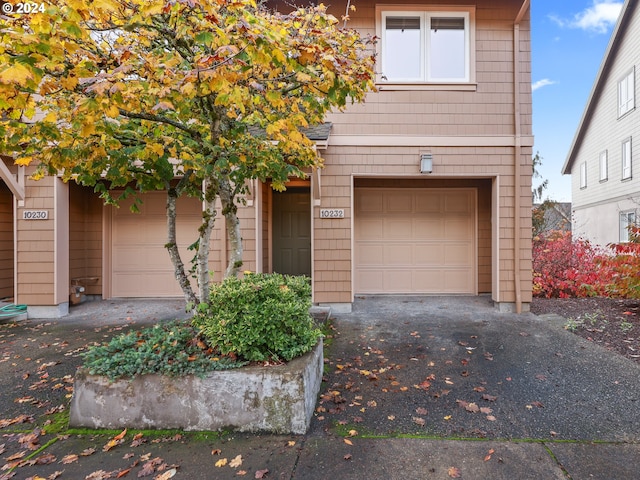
<point x="332" y="213"/>
<point x="35" y="214"/>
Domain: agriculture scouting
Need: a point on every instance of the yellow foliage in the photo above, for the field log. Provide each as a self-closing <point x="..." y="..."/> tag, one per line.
<point x="17" y="74"/>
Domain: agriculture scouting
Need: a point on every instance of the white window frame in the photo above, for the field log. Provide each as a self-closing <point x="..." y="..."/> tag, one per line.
<point x="604" y="166"/>
<point x="583" y="175"/>
<point x="426" y="14"/>
<point x="627" y="93"/>
<point x="626" y="219"/>
<point x="627" y="156"/>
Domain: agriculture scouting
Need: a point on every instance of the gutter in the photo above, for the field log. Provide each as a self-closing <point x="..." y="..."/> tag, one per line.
<point x="517" y="155"/>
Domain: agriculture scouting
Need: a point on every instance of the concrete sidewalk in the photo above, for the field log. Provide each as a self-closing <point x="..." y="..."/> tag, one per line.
<point x="415" y="388"/>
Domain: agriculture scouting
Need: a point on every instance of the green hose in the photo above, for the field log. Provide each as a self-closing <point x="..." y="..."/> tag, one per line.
<point x="12" y="310"/>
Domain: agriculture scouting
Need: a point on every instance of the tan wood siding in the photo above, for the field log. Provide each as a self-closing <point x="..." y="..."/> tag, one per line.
<point x="35" y="246"/>
<point x="6" y="242"/>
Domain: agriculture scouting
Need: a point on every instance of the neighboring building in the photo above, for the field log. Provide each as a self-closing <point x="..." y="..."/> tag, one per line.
<point x="602" y="161"/>
<point x="556" y="216"/>
<point x="426" y="187"/>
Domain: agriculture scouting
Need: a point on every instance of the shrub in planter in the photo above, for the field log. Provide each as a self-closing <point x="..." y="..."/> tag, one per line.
<point x="261" y="317"/>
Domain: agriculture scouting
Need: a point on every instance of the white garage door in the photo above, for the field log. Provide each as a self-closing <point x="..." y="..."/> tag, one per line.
<point x="415" y="241"/>
<point x="140" y="265"/>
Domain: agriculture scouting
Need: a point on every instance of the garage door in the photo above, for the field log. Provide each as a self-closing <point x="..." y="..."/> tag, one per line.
<point x="415" y="241"/>
<point x="140" y="265"/>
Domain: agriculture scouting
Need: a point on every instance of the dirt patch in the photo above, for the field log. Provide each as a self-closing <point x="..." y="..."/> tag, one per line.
<point x="612" y="323"/>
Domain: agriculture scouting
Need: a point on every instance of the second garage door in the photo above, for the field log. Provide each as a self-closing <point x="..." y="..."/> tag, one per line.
<point x="415" y="241"/>
<point x="141" y="266"/>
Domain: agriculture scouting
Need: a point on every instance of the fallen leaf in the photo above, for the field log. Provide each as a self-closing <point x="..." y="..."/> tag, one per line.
<point x="491" y="418"/>
<point x="537" y="404"/>
<point x="485" y="410"/>
<point x="353" y="433"/>
<point x="166" y="475"/>
<point x="216" y="451"/>
<point x="454" y="472"/>
<point x="488" y="456"/>
<point x="291" y="443"/>
<point x="391" y="417"/>
<point x="348" y="456"/>
<point x="236" y="462"/>
<point x="489" y="398"/>
<point x="221" y="463"/>
<point x="419" y="421"/>
<point x="472" y="407"/>
<point x="541" y="377"/>
<point x="421" y="411"/>
<point x="88" y="451"/>
<point x="67" y="459"/>
<point x="448" y="417"/>
<point x="348" y="442"/>
<point x="241" y="473"/>
<point x="262" y="473"/>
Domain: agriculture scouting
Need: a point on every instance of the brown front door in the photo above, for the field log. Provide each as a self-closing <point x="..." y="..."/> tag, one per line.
<point x="292" y="231"/>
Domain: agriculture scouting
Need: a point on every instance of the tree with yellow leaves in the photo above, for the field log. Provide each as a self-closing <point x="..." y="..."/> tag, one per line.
<point x="130" y="96"/>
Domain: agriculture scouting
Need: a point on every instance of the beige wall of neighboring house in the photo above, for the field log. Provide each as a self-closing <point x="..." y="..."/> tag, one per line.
<point x="369" y="221"/>
<point x="605" y="188"/>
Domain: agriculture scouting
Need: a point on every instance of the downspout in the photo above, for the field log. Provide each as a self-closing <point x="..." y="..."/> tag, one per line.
<point x="518" y="153"/>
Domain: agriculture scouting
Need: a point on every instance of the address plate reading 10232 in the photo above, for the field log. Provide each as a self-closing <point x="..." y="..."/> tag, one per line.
<point x="332" y="213"/>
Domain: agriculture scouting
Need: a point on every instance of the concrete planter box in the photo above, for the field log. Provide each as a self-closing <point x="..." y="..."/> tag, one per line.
<point x="278" y="399"/>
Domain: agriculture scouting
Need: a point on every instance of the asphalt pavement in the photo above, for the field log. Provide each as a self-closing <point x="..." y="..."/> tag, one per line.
<point x="414" y="388"/>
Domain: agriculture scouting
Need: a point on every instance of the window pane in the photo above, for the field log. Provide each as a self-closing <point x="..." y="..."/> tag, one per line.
<point x="604" y="167"/>
<point x="447" y="49"/>
<point x="402" y="48"/>
<point x="626" y="159"/>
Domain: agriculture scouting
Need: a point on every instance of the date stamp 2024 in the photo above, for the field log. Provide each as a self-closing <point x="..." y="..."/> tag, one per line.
<point x="22" y="8"/>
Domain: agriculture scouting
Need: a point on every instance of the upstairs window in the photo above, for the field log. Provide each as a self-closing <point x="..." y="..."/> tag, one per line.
<point x="627" y="93"/>
<point x="604" y="166"/>
<point x="626" y="159"/>
<point x="426" y="46"/>
<point x="583" y="175"/>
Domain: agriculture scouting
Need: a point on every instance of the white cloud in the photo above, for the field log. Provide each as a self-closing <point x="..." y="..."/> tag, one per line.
<point x="598" y="18"/>
<point x="541" y="83"/>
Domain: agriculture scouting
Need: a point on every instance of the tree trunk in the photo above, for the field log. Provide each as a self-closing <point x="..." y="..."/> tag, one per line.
<point x="172" y="247"/>
<point x="230" y="210"/>
<point x="204" y="239"/>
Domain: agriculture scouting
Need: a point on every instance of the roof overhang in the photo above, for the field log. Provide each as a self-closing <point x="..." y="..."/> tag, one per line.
<point x="11" y="180"/>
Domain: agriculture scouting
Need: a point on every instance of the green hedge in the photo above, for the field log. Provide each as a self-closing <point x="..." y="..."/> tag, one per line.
<point x="261" y="317"/>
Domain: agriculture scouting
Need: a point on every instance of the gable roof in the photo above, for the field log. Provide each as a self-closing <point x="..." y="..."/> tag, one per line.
<point x="616" y="39"/>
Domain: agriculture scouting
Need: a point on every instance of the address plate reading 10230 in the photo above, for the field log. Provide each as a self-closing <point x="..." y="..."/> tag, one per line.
<point x="332" y="213"/>
<point x="35" y="214"/>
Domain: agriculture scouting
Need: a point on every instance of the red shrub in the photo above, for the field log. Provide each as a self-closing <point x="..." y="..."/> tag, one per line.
<point x="563" y="267"/>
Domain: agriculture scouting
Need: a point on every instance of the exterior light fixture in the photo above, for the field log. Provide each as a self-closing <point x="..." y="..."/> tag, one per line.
<point x="426" y="163"/>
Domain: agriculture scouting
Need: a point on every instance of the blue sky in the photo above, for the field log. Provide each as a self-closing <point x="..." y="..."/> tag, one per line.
<point x="569" y="39"/>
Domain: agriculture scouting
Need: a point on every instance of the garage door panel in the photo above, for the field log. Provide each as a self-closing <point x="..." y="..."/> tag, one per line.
<point x="400" y="203"/>
<point x="396" y="253"/>
<point x="369" y="203"/>
<point x="428" y="228"/>
<point x="456" y="204"/>
<point x="427" y="243"/>
<point x="457" y="254"/>
<point x="371" y="280"/>
<point x="398" y="228"/>
<point x="372" y="228"/>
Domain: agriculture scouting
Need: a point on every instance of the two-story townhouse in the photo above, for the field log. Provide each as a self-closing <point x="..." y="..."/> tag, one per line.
<point x="425" y="190"/>
<point x="605" y="184"/>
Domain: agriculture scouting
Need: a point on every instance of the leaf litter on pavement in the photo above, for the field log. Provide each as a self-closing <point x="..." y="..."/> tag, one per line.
<point x="415" y="382"/>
